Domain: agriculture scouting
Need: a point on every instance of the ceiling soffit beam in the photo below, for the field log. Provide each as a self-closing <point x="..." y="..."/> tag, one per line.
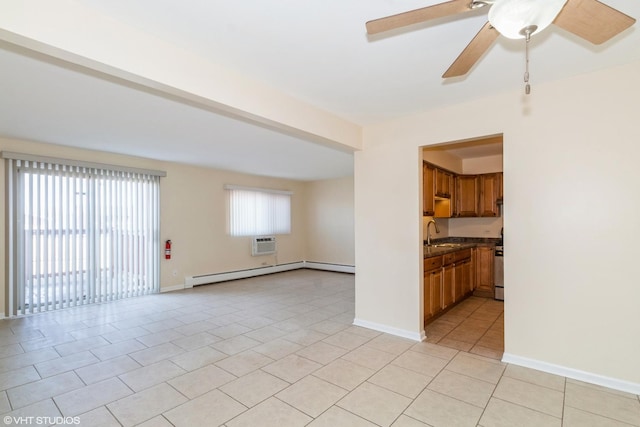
<point x="78" y="35"/>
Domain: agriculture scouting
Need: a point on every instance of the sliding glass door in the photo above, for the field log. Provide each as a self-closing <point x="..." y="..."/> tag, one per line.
<point x="82" y="234"/>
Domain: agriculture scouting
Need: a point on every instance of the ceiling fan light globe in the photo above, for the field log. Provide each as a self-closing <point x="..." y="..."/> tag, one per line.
<point x="510" y="17"/>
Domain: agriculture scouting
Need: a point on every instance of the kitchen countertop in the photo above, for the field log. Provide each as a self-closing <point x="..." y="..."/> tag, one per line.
<point x="461" y="243"/>
<point x="431" y="251"/>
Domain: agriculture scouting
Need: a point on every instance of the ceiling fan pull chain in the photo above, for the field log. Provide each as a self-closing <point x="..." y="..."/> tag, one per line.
<point x="527" y="87"/>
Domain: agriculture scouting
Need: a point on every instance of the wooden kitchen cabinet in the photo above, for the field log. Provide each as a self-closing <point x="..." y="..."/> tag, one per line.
<point x="484" y="271"/>
<point x="444" y="180"/>
<point x="432" y="287"/>
<point x="433" y="293"/>
<point x="447" y="286"/>
<point x="461" y="274"/>
<point x="489" y="184"/>
<point x="467" y="192"/>
<point x="448" y="279"/>
<point x="428" y="189"/>
<point x="458" y="288"/>
<point x="468" y="282"/>
<point x="446" y="194"/>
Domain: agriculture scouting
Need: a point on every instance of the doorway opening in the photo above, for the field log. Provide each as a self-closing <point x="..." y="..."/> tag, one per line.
<point x="462" y="193"/>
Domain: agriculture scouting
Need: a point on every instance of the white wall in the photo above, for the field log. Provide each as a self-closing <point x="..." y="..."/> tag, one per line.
<point x="570" y="173"/>
<point x="80" y="35"/>
<point x="193" y="216"/>
<point x="330" y="221"/>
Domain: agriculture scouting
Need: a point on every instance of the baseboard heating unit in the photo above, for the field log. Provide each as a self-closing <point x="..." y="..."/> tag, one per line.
<point x="206" y="279"/>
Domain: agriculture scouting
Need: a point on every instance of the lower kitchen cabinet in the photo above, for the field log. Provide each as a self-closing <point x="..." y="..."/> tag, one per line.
<point x="447" y="280"/>
<point x="447" y="286"/>
<point x="432" y="287"/>
<point x="484" y="259"/>
<point x="433" y="293"/>
<point x="469" y="271"/>
<point x="463" y="280"/>
<point x="461" y="274"/>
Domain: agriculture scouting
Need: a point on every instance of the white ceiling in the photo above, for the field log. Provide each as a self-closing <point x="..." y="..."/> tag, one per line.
<point x="314" y="50"/>
<point x="46" y="102"/>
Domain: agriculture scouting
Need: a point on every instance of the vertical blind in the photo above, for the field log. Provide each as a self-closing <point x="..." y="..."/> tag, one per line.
<point x="258" y="212"/>
<point x="81" y="234"/>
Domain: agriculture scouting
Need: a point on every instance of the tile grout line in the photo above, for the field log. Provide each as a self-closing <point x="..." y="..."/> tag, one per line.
<point x="155" y="311"/>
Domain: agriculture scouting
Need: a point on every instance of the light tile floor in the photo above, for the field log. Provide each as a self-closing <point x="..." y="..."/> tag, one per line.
<point x="475" y="325"/>
<point x="277" y="350"/>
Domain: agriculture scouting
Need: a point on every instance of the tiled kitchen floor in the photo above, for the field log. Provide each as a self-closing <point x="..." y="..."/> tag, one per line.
<point x="276" y="350"/>
<point x="476" y="325"/>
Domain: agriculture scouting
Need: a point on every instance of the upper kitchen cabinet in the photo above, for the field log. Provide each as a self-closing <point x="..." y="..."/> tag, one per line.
<point x="446" y="194"/>
<point x="437" y="191"/>
<point x="444" y="181"/>
<point x="489" y="192"/>
<point x="467" y="177"/>
<point x="467" y="194"/>
<point x="428" y="189"/>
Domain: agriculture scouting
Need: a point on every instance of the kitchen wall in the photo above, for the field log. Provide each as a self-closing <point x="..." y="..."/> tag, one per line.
<point x="443" y="226"/>
<point x="475" y="227"/>
<point x="193" y="216"/>
<point x="570" y="307"/>
<point x="463" y="227"/>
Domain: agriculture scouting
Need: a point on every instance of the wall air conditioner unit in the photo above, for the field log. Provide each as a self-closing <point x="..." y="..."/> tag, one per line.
<point x="263" y="245"/>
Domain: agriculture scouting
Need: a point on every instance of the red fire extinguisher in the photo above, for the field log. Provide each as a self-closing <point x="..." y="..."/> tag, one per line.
<point x="167" y="249"/>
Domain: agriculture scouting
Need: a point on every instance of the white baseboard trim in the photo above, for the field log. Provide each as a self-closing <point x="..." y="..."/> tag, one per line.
<point x="575" y="374"/>
<point x="415" y="336"/>
<point x="338" y="268"/>
<point x="205" y="279"/>
<point x="172" y="288"/>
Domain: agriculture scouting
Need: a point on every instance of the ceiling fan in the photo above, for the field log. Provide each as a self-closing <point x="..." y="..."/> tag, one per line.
<point x="516" y="19"/>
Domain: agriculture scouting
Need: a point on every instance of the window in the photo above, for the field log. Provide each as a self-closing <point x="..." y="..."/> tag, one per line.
<point x="80" y="233"/>
<point x="258" y="212"/>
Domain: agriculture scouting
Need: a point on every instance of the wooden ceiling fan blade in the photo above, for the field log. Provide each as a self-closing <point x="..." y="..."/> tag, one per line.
<point x="593" y="21"/>
<point x="416" y="16"/>
<point x="473" y="52"/>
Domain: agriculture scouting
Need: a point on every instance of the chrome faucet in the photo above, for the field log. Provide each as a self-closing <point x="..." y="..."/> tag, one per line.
<point x="431" y="221"/>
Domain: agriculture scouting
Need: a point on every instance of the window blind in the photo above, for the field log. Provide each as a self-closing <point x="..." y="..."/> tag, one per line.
<point x="257" y="212"/>
<point x="81" y="234"/>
